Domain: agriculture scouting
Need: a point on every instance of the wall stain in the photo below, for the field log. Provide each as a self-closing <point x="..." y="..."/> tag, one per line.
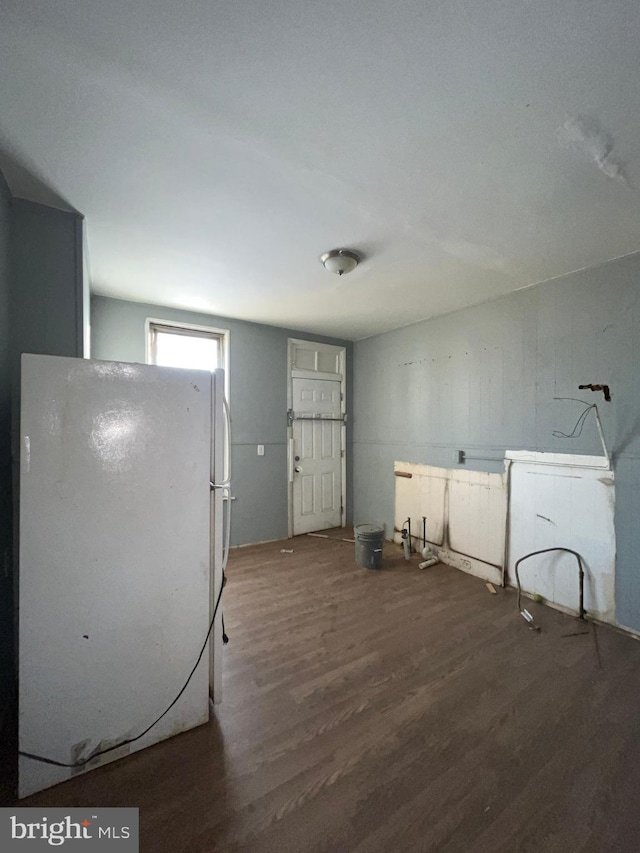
<point x="417" y="361"/>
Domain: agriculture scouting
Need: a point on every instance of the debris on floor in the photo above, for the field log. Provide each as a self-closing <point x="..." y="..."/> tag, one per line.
<point x="286" y="550"/>
<point x="529" y="619"/>
<point x="491" y="588"/>
<point x="335" y="538"/>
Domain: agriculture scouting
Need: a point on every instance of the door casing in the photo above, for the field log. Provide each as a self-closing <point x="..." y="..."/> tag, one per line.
<point x="304" y="358"/>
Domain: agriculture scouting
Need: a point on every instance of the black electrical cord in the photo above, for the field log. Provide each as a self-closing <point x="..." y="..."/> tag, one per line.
<point x="547" y="551"/>
<point x="100" y="752"/>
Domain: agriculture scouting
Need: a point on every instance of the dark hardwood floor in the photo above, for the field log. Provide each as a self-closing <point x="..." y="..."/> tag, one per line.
<point x="399" y="710"/>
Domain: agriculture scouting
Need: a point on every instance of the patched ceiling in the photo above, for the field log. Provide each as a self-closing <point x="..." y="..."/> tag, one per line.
<point x="217" y="149"/>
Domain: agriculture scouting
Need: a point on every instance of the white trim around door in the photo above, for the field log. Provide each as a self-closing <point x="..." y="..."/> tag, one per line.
<point x="315" y="361"/>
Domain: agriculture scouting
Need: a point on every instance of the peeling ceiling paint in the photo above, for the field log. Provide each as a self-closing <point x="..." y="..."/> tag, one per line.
<point x="218" y="149"/>
<point x="587" y="136"/>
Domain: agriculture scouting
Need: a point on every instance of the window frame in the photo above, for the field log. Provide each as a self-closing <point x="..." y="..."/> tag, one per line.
<point x="177" y="327"/>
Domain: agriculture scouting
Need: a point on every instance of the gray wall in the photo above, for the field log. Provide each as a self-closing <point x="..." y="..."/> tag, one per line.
<point x="483" y="380"/>
<point x="5" y="382"/>
<point x="258" y="395"/>
<point x="6" y="514"/>
<point x="47" y="282"/>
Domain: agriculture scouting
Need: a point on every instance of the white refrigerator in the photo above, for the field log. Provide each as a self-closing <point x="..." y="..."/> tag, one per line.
<point x="122" y="478"/>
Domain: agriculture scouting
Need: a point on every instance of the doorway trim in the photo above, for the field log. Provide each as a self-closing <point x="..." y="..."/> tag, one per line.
<point x="311" y="371"/>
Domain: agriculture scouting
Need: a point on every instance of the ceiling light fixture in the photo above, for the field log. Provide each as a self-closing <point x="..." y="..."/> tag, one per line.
<point x="339" y="261"/>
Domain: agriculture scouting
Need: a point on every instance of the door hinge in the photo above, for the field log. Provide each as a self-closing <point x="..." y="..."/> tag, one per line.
<point x="342" y="454"/>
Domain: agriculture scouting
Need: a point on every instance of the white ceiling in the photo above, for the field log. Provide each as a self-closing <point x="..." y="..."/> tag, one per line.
<point x="218" y="147"/>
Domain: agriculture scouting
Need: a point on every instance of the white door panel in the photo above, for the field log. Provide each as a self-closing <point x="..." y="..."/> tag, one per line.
<point x="317" y="464"/>
<point x="319" y="358"/>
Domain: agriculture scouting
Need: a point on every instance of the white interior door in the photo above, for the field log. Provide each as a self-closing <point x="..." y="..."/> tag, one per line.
<point x="317" y="461"/>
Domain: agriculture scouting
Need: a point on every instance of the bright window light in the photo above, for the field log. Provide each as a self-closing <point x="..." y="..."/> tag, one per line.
<point x="180" y="346"/>
<point x="185" y="351"/>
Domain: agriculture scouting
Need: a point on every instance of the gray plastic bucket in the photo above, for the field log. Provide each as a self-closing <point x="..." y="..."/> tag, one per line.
<point x="369" y="540"/>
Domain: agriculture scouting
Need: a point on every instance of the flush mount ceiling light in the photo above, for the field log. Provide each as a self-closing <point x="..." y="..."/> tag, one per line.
<point x="339" y="261"/>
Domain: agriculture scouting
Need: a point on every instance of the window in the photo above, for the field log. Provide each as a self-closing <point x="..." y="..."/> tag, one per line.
<point x="181" y="345"/>
<point x="194" y="348"/>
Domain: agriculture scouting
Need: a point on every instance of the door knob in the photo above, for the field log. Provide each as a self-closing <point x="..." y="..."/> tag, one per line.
<point x="298" y="469"/>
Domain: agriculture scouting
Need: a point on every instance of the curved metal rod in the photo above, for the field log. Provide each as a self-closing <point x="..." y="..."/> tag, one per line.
<point x="546" y="551"/>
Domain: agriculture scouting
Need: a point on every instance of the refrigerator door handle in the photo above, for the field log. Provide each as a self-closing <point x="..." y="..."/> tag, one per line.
<point x="227" y="412"/>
